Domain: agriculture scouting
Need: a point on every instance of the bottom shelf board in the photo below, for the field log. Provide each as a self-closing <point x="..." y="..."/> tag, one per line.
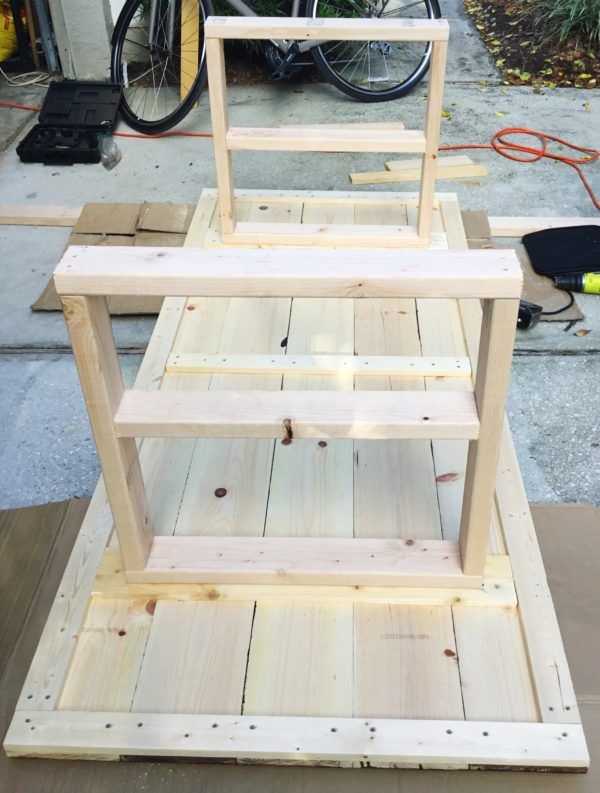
<point x="304" y="674"/>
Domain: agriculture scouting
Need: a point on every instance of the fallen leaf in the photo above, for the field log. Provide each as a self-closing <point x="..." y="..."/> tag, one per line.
<point x="450" y="477"/>
<point x="500" y="113"/>
<point x="582" y="332"/>
<point x="586" y="105"/>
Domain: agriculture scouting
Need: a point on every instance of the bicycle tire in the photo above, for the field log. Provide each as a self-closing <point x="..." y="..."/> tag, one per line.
<point x="364" y="95"/>
<point x="129" y="115"/>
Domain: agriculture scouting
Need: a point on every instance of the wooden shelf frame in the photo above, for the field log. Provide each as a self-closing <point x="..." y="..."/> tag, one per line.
<point x="118" y="416"/>
<point x="350" y="138"/>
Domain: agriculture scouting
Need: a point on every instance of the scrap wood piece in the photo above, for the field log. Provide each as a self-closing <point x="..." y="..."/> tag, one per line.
<point x="454" y="167"/>
<point x="517" y="226"/>
<point x="25" y="215"/>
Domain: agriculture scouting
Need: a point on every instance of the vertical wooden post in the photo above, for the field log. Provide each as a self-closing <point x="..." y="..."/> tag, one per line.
<point x="95" y="353"/>
<point x="190" y="45"/>
<point x="433" y="121"/>
<point x="215" y="62"/>
<point x="491" y="383"/>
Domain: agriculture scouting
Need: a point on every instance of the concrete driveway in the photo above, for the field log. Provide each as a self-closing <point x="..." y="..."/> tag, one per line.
<point x="46" y="449"/>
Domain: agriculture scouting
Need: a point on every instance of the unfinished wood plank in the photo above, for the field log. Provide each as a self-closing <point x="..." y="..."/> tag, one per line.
<point x="38" y="215"/>
<point x="300" y="661"/>
<point x="184" y="668"/>
<point x="275" y="560"/>
<point x="88" y="322"/>
<point x="468" y="316"/>
<point x="215" y="65"/>
<point x="499" y="322"/>
<point x="316" y="365"/>
<point x="374" y="741"/>
<point x="518" y="226"/>
<point x="494" y="669"/>
<point x="496" y="591"/>
<point x="336" y="29"/>
<point x="437" y="73"/>
<point x="459" y="167"/>
<point x="323" y="235"/>
<point x="108" y="656"/>
<point x="402" y="468"/>
<point x="302" y="273"/>
<point x="319" y="139"/>
<point x="552" y="680"/>
<point x="406" y="663"/>
<point x="294" y="415"/>
<point x="388" y="198"/>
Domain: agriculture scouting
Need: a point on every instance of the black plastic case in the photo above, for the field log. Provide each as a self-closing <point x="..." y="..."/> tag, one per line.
<point x="73" y="113"/>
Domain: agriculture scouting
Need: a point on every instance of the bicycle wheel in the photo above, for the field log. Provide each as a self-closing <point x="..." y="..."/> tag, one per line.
<point x="374" y="71"/>
<point x="158" y="57"/>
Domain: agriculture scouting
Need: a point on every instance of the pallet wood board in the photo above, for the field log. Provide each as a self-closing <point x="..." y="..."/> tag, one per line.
<point x="347" y="676"/>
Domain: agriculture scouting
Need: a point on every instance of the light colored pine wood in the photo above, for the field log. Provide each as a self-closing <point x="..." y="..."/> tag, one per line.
<point x="414" y="646"/>
<point x="401" y="199"/>
<point x="518" y="226"/>
<point x="215" y="65"/>
<point x="469" y="316"/>
<point x="410" y="171"/>
<point x="437" y="72"/>
<point x="323" y="235"/>
<point x="318" y="139"/>
<point x="495" y="676"/>
<point x="317" y="365"/>
<point x="88" y="322"/>
<point x="291" y="560"/>
<point x="302" y="273"/>
<point x="496" y="591"/>
<point x="335" y="29"/>
<point x="108" y="656"/>
<point x="318" y="740"/>
<point x="300" y="660"/>
<point x="499" y="322"/>
<point x="38" y="215"/>
<point x="550" y="671"/>
<point x="195" y="660"/>
<point x="295" y="415"/>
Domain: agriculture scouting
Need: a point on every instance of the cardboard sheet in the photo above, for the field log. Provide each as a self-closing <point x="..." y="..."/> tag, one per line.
<point x="150" y="224"/>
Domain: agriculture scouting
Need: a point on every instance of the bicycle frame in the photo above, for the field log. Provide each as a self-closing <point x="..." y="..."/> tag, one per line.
<point x="283" y="44"/>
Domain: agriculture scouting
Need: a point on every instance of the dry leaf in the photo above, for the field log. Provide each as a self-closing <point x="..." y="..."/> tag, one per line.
<point x="582" y="332"/>
<point x="500" y="113"/>
<point x="450" y="477"/>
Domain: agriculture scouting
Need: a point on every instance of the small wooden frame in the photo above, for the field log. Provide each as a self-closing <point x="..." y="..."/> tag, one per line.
<point x="351" y="138"/>
<point x="117" y="416"/>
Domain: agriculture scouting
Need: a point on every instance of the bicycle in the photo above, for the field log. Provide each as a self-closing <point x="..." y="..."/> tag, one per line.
<point x="158" y="54"/>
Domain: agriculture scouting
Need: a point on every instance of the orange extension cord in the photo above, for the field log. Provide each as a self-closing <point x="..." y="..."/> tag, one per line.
<point x="499" y="143"/>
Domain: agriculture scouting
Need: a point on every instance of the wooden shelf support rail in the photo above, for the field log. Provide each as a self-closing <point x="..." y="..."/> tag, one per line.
<point x="83" y="278"/>
<point x="349" y="138"/>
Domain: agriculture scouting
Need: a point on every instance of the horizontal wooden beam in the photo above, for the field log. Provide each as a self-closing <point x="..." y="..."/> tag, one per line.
<point x="517" y="226"/>
<point x="322" y="29"/>
<point x="328" y="235"/>
<point x="497" y="589"/>
<point x="38" y="215"/>
<point x="356" y="365"/>
<point x="180" y="272"/>
<point x="291" y="415"/>
<point x="305" y="561"/>
<point x="348" y="139"/>
<point x="410" y="171"/>
<point x="112" y="735"/>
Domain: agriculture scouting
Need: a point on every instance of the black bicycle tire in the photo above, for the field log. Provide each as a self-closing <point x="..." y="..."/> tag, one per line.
<point x="134" y="121"/>
<point x="371" y="96"/>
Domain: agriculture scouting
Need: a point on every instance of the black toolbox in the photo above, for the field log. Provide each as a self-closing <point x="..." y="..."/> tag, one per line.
<point x="73" y="113"/>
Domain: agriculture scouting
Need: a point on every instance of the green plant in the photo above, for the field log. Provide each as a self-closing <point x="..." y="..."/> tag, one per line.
<point x="559" y="20"/>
